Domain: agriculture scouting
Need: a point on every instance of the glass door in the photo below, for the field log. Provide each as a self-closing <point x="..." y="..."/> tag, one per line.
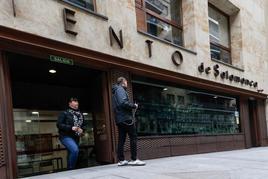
<point x="39" y="96"/>
<point x="29" y="142"/>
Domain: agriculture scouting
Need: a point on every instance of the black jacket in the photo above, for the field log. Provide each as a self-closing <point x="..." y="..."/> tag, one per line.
<point x="65" y="123"/>
<point x="121" y="104"/>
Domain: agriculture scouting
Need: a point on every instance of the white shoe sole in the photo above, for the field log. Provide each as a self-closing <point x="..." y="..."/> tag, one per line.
<point x="137" y="164"/>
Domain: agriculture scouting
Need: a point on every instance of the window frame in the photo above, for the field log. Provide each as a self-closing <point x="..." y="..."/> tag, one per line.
<point x="222" y="47"/>
<point x="95" y="13"/>
<point x="138" y="79"/>
<point x="172" y="23"/>
<point x="81" y="7"/>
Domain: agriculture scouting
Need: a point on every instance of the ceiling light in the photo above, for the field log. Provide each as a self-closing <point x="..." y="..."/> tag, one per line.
<point x="28" y="121"/>
<point x="52" y="71"/>
<point x="35" y="112"/>
<point x="165" y="89"/>
<point x="85" y="114"/>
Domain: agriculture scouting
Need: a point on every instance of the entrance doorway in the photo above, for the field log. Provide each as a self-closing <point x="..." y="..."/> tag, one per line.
<point x="40" y="91"/>
<point x="253" y="122"/>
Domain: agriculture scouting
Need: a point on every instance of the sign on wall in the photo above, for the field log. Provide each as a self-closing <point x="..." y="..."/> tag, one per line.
<point x="63" y="60"/>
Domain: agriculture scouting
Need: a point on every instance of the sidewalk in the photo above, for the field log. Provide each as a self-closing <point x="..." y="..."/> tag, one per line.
<point x="239" y="164"/>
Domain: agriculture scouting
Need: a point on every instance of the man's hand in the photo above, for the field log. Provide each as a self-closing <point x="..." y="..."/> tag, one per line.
<point x="136" y="105"/>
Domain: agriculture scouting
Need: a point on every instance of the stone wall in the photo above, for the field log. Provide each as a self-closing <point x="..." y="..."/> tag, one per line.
<point x="248" y="34"/>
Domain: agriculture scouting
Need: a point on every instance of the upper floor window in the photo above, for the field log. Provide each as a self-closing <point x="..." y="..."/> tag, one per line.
<point x="219" y="33"/>
<point x="163" y="19"/>
<point x="85" y="4"/>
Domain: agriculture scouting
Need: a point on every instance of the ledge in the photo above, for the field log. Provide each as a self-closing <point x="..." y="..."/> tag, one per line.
<point x="86" y="10"/>
<point x="227" y="64"/>
<point x="226" y="6"/>
<point x="188" y="135"/>
<point x="161" y="40"/>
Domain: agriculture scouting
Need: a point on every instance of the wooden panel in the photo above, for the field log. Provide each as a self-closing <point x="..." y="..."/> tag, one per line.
<point x="3" y="174"/>
<point x="239" y="141"/>
<point x="208" y="147"/>
<point x="2" y="156"/>
<point x="183" y="145"/>
<point x="153" y="148"/>
<point x="140" y="16"/>
<point x="225" y="143"/>
<point x="244" y="117"/>
<point x="224" y="146"/>
<point x="206" y="144"/>
<point x="139" y="3"/>
<point x="239" y="144"/>
<point x="239" y="137"/>
<point x="102" y="123"/>
<point x="183" y="140"/>
<point x="206" y="139"/>
<point x="3" y="167"/>
<point x="225" y="138"/>
<point x="8" y="152"/>
<point x="262" y="122"/>
<point x="163" y="146"/>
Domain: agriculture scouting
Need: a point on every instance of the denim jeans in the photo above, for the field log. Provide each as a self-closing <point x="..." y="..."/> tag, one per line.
<point x="123" y="130"/>
<point x="73" y="150"/>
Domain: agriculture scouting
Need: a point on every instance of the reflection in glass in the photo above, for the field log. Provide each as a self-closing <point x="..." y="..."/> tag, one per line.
<point x="220" y="54"/>
<point x="219" y="35"/>
<point x="163" y="30"/>
<point x="87" y="4"/>
<point x="168" y="9"/>
<point x="192" y="112"/>
<point x="218" y="27"/>
<point x="38" y="147"/>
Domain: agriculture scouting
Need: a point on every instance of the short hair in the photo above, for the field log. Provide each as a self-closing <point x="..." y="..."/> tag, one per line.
<point x="73" y="99"/>
<point x="120" y="80"/>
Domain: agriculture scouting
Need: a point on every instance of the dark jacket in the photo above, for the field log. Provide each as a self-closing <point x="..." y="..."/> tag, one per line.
<point x="121" y="104"/>
<point x="65" y="123"/>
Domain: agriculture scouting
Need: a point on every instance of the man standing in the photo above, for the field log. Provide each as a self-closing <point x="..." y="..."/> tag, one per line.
<point x="125" y="122"/>
<point x="71" y="126"/>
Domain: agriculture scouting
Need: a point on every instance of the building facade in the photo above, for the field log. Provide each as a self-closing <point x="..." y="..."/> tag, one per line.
<point x="197" y="69"/>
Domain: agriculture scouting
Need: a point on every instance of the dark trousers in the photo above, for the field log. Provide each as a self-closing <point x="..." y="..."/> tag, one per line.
<point x="123" y="131"/>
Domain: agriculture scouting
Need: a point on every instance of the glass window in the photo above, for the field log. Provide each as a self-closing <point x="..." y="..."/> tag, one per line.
<point x="87" y="4"/>
<point x="168" y="9"/>
<point x="38" y="147"/>
<point x="219" y="35"/>
<point x="180" y="100"/>
<point x="220" y="54"/>
<point x="171" y="98"/>
<point x="164" y="19"/>
<point x="163" y="30"/>
<point x="193" y="112"/>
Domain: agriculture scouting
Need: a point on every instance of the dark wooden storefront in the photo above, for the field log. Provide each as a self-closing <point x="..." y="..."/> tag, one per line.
<point x="7" y="142"/>
<point x="254" y="132"/>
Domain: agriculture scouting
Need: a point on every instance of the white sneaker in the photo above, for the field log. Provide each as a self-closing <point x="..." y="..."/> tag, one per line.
<point x="122" y="163"/>
<point x="136" y="163"/>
